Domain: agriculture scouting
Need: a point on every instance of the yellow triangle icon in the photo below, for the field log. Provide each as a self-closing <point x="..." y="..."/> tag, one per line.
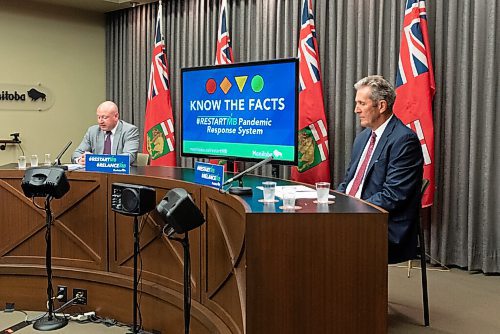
<point x="240" y="81"/>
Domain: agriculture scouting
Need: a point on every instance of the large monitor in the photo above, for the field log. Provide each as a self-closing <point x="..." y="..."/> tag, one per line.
<point x="244" y="111"/>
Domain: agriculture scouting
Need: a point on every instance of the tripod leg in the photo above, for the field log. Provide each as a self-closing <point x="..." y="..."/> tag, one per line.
<point x="136" y="252"/>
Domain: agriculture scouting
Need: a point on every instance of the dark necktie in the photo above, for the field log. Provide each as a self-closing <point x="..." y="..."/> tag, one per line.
<point x="107" y="143"/>
<point x="364" y="164"/>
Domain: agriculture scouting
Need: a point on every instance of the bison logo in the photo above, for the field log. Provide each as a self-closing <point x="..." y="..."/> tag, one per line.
<point x="35" y="95"/>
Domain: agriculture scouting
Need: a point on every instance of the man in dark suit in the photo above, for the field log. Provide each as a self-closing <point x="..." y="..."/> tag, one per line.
<point x="386" y="165"/>
<point x="110" y="136"/>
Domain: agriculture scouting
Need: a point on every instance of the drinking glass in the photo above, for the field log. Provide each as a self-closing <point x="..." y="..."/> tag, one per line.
<point x="46" y="160"/>
<point x="289" y="198"/>
<point x="322" y="191"/>
<point x="21" y="162"/>
<point x="269" y="189"/>
<point x="34" y="160"/>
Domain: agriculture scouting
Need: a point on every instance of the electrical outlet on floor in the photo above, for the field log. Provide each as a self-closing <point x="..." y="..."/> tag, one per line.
<point x="62" y="293"/>
<point x="80" y="295"/>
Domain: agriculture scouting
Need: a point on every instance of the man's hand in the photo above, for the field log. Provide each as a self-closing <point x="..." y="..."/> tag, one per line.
<point x="81" y="159"/>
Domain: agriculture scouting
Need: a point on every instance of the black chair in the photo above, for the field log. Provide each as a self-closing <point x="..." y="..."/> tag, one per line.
<point x="423" y="264"/>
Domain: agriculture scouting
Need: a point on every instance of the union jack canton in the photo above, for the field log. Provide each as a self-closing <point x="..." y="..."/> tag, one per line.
<point x="309" y="67"/>
<point x="413" y="57"/>
<point x="224" y="53"/>
<point x="158" y="76"/>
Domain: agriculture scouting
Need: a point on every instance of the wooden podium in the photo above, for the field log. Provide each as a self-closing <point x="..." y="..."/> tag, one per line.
<point x="255" y="268"/>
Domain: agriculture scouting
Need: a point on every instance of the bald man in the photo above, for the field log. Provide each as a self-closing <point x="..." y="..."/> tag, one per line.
<point x="123" y="137"/>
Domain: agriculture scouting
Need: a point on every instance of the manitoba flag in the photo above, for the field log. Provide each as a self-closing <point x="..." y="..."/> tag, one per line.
<point x="159" y="140"/>
<point x="415" y="86"/>
<point x="314" y="163"/>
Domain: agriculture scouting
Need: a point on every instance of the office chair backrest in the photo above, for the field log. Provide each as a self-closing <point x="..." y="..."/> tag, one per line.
<point x="142" y="159"/>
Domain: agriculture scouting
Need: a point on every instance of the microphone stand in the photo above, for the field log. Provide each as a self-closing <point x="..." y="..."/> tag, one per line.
<point x="57" y="161"/>
<point x="49" y="322"/>
<point x="241" y="190"/>
<point x="136" y="283"/>
<point x="187" y="275"/>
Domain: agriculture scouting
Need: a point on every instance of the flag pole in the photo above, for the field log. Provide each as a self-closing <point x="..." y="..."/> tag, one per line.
<point x="160" y="9"/>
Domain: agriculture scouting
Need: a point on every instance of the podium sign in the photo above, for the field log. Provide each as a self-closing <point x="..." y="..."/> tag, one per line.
<point x="209" y="174"/>
<point x="107" y="163"/>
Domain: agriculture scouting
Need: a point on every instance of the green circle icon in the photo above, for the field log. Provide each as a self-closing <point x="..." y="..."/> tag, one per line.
<point x="257" y="83"/>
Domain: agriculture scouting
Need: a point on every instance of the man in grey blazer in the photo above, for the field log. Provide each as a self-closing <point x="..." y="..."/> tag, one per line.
<point x="123" y="137"/>
<point x="386" y="165"/>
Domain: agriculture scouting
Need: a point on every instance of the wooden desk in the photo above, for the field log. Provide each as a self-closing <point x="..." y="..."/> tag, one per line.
<point x="255" y="268"/>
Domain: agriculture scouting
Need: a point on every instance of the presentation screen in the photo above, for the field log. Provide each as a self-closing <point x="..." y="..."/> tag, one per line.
<point x="244" y="112"/>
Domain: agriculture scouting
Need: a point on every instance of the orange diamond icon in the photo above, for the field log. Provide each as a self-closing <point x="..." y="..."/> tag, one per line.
<point x="225" y="85"/>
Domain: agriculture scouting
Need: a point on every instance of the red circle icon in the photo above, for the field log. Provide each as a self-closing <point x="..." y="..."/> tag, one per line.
<point x="211" y="86"/>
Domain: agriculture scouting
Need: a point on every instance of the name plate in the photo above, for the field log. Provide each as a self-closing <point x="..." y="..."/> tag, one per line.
<point x="107" y="163"/>
<point x="209" y="174"/>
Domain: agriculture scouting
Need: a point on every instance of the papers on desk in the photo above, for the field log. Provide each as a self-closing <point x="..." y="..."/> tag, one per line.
<point x="300" y="191"/>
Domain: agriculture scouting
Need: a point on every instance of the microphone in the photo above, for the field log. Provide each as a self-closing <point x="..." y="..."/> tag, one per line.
<point x="245" y="190"/>
<point x="57" y="162"/>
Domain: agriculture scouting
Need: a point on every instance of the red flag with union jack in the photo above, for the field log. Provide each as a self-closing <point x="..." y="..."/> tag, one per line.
<point x="224" y="52"/>
<point x="314" y="162"/>
<point x="415" y="86"/>
<point x="159" y="140"/>
<point x="223" y="55"/>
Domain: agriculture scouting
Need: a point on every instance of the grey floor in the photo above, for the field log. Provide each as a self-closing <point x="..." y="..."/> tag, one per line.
<point x="460" y="302"/>
<point x="73" y="327"/>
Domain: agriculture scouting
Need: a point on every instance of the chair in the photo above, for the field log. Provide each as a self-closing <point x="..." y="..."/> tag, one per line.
<point x="423" y="264"/>
<point x="142" y="159"/>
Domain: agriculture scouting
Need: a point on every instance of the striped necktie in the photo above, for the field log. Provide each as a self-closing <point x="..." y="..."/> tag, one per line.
<point x="364" y="164"/>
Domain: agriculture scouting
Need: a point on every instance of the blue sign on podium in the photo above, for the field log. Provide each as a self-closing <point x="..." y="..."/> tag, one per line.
<point x="107" y="163"/>
<point x="209" y="174"/>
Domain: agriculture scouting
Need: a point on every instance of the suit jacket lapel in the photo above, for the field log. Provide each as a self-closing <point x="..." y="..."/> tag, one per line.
<point x="117" y="136"/>
<point x="364" y="137"/>
<point x="382" y="142"/>
<point x="99" y="148"/>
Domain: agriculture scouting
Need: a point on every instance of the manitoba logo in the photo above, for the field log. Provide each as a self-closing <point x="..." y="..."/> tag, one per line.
<point x="160" y="139"/>
<point x="16" y="96"/>
<point x="313" y="146"/>
<point x="35" y="95"/>
<point x="25" y="97"/>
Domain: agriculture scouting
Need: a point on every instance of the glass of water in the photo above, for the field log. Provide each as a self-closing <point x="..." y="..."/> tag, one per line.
<point x="34" y="160"/>
<point x="46" y="160"/>
<point x="289" y="198"/>
<point x="269" y="189"/>
<point x="21" y="162"/>
<point x="322" y="191"/>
